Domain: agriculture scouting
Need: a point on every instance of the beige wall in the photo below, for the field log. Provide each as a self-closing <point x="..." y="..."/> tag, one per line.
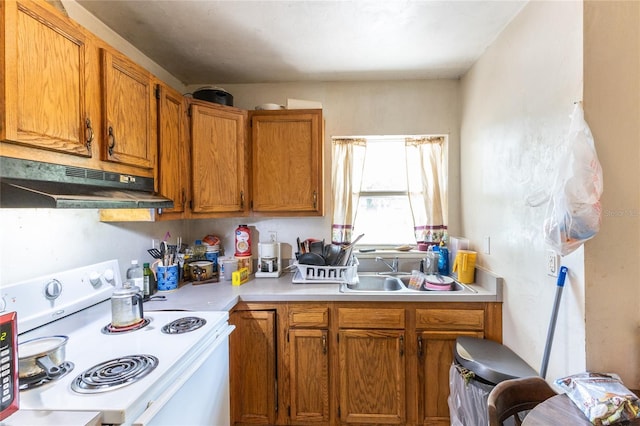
<point x="516" y="102"/>
<point x="612" y="107"/>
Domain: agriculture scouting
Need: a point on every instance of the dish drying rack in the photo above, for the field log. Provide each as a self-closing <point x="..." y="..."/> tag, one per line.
<point x="312" y="274"/>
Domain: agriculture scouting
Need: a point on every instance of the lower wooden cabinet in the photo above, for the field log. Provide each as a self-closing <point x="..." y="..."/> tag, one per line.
<point x="343" y="363"/>
<point x="372" y="377"/>
<point x="253" y="367"/>
<point x="437" y="330"/>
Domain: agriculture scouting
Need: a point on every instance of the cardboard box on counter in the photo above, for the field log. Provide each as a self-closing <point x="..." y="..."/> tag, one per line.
<point x="240" y="276"/>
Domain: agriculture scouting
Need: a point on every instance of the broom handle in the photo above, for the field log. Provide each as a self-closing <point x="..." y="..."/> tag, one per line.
<point x="552" y="324"/>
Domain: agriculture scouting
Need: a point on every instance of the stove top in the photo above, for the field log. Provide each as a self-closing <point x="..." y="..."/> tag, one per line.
<point x="98" y="356"/>
<point x="77" y="304"/>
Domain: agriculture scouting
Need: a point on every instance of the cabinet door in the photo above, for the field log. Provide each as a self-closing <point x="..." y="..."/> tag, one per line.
<point x="43" y="96"/>
<point x="171" y="148"/>
<point x="309" y="376"/>
<point x="128" y="117"/>
<point x="435" y="355"/>
<point x="218" y="160"/>
<point x="287" y="162"/>
<point x="372" y="376"/>
<point x="253" y="367"/>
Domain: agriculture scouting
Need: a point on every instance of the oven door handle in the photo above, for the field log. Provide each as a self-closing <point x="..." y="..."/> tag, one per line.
<point x="156" y="405"/>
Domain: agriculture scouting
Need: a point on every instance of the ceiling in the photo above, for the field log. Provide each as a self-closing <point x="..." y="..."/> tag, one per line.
<point x="242" y="41"/>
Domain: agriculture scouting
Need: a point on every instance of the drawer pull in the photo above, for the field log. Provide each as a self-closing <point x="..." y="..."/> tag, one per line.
<point x="112" y="141"/>
<point x="89" y="134"/>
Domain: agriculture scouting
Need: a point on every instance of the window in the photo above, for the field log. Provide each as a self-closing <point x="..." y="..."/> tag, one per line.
<point x="392" y="189"/>
<point x="383" y="213"/>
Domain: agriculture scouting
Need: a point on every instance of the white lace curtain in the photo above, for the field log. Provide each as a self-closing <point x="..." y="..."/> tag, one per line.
<point x="427" y="183"/>
<point x="348" y="162"/>
<point x="426" y="180"/>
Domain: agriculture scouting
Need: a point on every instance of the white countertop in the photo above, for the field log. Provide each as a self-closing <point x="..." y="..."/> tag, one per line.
<point x="222" y="296"/>
<point x="48" y="418"/>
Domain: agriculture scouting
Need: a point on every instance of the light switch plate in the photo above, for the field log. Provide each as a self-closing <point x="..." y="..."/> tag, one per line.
<point x="552" y="263"/>
<point x="486" y="245"/>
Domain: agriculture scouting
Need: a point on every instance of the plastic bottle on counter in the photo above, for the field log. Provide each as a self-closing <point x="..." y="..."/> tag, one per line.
<point x="135" y="275"/>
<point x="149" y="281"/>
<point x="199" y="251"/>
<point x="443" y="260"/>
<point x="243" y="241"/>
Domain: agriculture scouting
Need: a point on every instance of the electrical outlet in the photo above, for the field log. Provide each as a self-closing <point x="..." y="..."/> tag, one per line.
<point x="552" y="263"/>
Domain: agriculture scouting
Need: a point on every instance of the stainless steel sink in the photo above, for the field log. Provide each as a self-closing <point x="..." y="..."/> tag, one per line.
<point x="394" y="274"/>
<point x="375" y="283"/>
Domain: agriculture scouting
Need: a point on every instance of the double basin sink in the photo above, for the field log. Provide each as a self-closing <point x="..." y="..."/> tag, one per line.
<point x="377" y="283"/>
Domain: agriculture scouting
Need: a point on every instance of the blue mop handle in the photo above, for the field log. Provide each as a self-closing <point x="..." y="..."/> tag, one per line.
<point x="552" y="324"/>
<point x="562" y="275"/>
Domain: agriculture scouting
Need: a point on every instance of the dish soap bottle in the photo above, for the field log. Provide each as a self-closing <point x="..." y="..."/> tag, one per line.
<point x="443" y="260"/>
<point x="149" y="281"/>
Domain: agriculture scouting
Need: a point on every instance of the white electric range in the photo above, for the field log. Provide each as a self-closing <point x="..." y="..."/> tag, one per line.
<point x="138" y="376"/>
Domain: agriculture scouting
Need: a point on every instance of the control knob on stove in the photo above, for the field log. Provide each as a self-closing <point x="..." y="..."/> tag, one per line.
<point x="108" y="276"/>
<point x="94" y="279"/>
<point x="53" y="289"/>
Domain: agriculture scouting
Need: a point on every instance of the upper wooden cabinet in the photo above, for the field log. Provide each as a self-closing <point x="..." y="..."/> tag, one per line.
<point x="128" y="115"/>
<point x="219" y="161"/>
<point x="287" y="162"/>
<point x="172" y="150"/>
<point x="43" y="98"/>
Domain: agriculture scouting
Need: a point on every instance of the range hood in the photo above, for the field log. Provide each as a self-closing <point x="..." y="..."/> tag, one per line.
<point x="29" y="184"/>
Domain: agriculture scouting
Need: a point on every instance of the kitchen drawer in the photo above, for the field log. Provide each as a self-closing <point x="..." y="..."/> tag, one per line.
<point x="309" y="317"/>
<point x="374" y="318"/>
<point x="450" y="319"/>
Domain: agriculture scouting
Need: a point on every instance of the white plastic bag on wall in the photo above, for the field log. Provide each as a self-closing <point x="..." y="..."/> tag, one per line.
<point x="574" y="213"/>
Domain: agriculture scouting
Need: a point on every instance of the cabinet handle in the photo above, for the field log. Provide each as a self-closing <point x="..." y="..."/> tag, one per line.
<point x="401" y="345"/>
<point x="315" y="199"/>
<point x="419" y="346"/>
<point x="89" y="134"/>
<point x="324" y="344"/>
<point x="112" y="140"/>
<point x="242" y="199"/>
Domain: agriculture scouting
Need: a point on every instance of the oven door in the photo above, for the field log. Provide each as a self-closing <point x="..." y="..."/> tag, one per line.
<point x="203" y="388"/>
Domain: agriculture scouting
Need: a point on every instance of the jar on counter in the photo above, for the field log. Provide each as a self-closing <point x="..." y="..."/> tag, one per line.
<point x="243" y="241"/>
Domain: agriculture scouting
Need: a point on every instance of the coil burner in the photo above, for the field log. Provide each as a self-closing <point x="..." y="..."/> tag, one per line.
<point x="31" y="382"/>
<point x="110" y="329"/>
<point x="114" y="374"/>
<point x="183" y="325"/>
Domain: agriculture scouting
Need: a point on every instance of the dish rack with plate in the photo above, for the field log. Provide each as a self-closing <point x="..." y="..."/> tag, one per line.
<point x="324" y="274"/>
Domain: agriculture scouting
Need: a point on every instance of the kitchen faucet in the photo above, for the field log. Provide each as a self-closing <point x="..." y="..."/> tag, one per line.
<point x="393" y="266"/>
